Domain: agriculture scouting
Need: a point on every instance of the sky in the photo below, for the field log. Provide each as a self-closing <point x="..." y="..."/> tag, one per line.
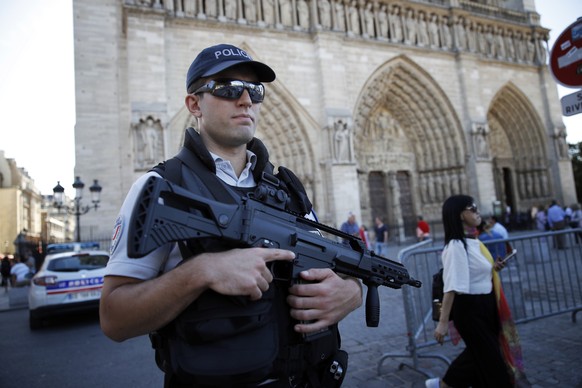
<point x="37" y="85"/>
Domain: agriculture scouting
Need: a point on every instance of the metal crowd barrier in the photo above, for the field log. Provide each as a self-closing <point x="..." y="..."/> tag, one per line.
<point x="543" y="280"/>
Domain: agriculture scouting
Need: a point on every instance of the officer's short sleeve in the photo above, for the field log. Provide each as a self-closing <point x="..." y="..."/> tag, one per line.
<point x="119" y="263"/>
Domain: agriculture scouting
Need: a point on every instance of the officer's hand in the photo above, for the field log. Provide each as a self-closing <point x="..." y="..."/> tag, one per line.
<point x="240" y="271"/>
<point x="323" y="300"/>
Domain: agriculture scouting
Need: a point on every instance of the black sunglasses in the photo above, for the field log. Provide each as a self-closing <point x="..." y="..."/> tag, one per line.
<point x="232" y="89"/>
<point x="472" y="208"/>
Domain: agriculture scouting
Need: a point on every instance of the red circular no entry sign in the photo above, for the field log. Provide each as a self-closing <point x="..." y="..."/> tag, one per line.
<point x="566" y="56"/>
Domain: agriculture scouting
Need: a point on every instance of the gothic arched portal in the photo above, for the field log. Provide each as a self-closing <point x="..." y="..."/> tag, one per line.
<point x="406" y="130"/>
<point x="518" y="146"/>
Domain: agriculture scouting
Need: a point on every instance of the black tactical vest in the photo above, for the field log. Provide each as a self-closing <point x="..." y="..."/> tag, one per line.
<point x="232" y="341"/>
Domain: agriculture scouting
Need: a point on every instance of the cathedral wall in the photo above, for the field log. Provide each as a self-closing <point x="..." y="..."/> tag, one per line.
<point x="131" y="64"/>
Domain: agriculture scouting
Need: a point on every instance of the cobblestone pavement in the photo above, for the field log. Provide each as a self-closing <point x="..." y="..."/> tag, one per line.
<point x="551" y="347"/>
<point x="551" y="350"/>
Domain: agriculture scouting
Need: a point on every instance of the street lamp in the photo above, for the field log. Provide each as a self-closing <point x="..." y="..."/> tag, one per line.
<point x="77" y="210"/>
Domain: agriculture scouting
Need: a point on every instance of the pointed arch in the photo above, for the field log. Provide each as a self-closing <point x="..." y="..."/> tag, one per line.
<point x="404" y="115"/>
<point x="518" y="143"/>
<point x="511" y="111"/>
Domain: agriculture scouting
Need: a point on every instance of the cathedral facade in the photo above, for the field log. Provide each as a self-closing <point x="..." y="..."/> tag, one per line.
<point x="382" y="108"/>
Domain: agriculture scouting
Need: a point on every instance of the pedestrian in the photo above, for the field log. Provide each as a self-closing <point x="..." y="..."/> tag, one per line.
<point x="214" y="312"/>
<point x="474" y="301"/>
<point x="30" y="261"/>
<point x="486" y="233"/>
<point x="350" y="226"/>
<point x="381" y="233"/>
<point x="576" y="221"/>
<point x="364" y="237"/>
<point x="422" y="229"/>
<point x="5" y="268"/>
<point x="557" y="222"/>
<point x="541" y="219"/>
<point x="20" y="273"/>
<point x="497" y="227"/>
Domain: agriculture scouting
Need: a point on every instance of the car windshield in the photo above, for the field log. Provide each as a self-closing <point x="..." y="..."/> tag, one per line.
<point x="78" y="262"/>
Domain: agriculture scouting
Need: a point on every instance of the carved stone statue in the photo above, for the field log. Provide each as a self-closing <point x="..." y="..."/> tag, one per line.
<point x="302" y="14"/>
<point x="148" y="142"/>
<point x="480" y="141"/>
<point x="340" y="17"/>
<point x="286" y="12"/>
<point x="433" y="31"/>
<point x="383" y="22"/>
<point x="268" y="11"/>
<point x="395" y="22"/>
<point x="446" y="36"/>
<point x="369" y="21"/>
<point x="250" y="11"/>
<point x="422" y="40"/>
<point x="324" y="14"/>
<point x="354" y="18"/>
<point x="410" y="31"/>
<point x="342" y="141"/>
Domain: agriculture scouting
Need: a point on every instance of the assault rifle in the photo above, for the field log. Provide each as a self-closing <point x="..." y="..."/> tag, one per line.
<point x="165" y="212"/>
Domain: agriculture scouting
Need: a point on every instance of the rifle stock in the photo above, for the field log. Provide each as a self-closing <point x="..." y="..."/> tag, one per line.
<point x="165" y="212"/>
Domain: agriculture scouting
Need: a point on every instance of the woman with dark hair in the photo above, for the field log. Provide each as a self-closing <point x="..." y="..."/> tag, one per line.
<point x="475" y="304"/>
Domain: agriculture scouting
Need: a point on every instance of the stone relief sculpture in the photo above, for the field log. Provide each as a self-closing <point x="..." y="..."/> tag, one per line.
<point x="460" y="34"/>
<point x="340" y="16"/>
<point x="148" y="142"/>
<point x="531" y="48"/>
<point x="342" y="141"/>
<point x="410" y="30"/>
<point x="286" y="13"/>
<point x="480" y="144"/>
<point x="490" y="43"/>
<point x="540" y="57"/>
<point x="354" y="18"/>
<point x="189" y="8"/>
<point x="369" y="21"/>
<point x="250" y="9"/>
<point x="324" y="13"/>
<point x="560" y="143"/>
<point x="500" y="43"/>
<point x="509" y="46"/>
<point x="471" y="36"/>
<point x="268" y="11"/>
<point x="446" y="37"/>
<point x="211" y="9"/>
<point x="169" y="5"/>
<point x="303" y="14"/>
<point x="382" y="22"/>
<point x="433" y="31"/>
<point x="375" y="20"/>
<point x="423" y="40"/>
<point x="395" y="19"/>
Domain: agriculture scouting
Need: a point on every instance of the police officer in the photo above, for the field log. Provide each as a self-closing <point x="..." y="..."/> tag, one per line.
<point x="154" y="294"/>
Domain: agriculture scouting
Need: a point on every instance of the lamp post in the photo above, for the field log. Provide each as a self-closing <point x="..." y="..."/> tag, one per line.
<point x="77" y="210"/>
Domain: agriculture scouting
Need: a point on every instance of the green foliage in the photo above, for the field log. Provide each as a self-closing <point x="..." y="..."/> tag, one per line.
<point x="575" y="151"/>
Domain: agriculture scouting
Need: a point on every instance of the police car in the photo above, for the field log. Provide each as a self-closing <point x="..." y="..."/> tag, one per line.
<point x="69" y="280"/>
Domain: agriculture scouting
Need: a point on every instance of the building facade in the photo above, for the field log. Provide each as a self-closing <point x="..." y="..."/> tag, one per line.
<point x="27" y="218"/>
<point x="383" y="108"/>
<point x="20" y="208"/>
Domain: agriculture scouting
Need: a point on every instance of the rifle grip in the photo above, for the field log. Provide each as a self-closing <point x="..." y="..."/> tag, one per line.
<point x="372" y="306"/>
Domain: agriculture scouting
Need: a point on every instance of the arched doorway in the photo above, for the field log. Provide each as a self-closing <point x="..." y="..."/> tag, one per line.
<point x="408" y="144"/>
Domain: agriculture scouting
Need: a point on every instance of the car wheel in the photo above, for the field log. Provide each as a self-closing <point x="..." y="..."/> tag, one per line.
<point x="34" y="322"/>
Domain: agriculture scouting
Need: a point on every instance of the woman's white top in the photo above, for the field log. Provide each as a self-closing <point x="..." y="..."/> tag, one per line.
<point x="466" y="271"/>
